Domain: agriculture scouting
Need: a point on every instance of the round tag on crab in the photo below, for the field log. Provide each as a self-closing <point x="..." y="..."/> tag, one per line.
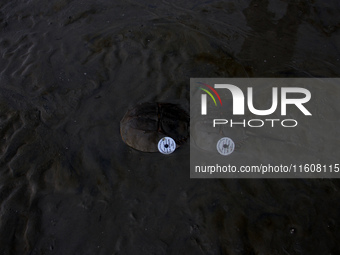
<point x="225" y="146"/>
<point x="166" y="145"/>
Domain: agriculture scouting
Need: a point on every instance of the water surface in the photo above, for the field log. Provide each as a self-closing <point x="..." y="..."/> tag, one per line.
<point x="71" y="69"/>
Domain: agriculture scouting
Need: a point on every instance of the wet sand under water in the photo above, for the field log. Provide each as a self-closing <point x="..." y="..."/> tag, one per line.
<point x="71" y="69"/>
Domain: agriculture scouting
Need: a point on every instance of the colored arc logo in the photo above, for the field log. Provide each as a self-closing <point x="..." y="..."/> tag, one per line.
<point x="209" y="93"/>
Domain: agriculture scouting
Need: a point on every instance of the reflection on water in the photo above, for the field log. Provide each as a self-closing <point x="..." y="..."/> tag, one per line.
<point x="71" y="69"/>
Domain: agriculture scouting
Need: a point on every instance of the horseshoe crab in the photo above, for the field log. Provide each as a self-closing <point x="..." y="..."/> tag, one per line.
<point x="144" y="125"/>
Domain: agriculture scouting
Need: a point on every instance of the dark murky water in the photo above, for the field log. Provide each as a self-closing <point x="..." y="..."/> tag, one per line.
<point x="71" y="69"/>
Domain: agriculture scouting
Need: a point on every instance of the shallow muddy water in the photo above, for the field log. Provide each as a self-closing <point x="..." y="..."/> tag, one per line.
<point x="69" y="72"/>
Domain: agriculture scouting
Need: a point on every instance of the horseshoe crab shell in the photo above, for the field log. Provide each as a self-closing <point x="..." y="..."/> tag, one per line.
<point x="144" y="125"/>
